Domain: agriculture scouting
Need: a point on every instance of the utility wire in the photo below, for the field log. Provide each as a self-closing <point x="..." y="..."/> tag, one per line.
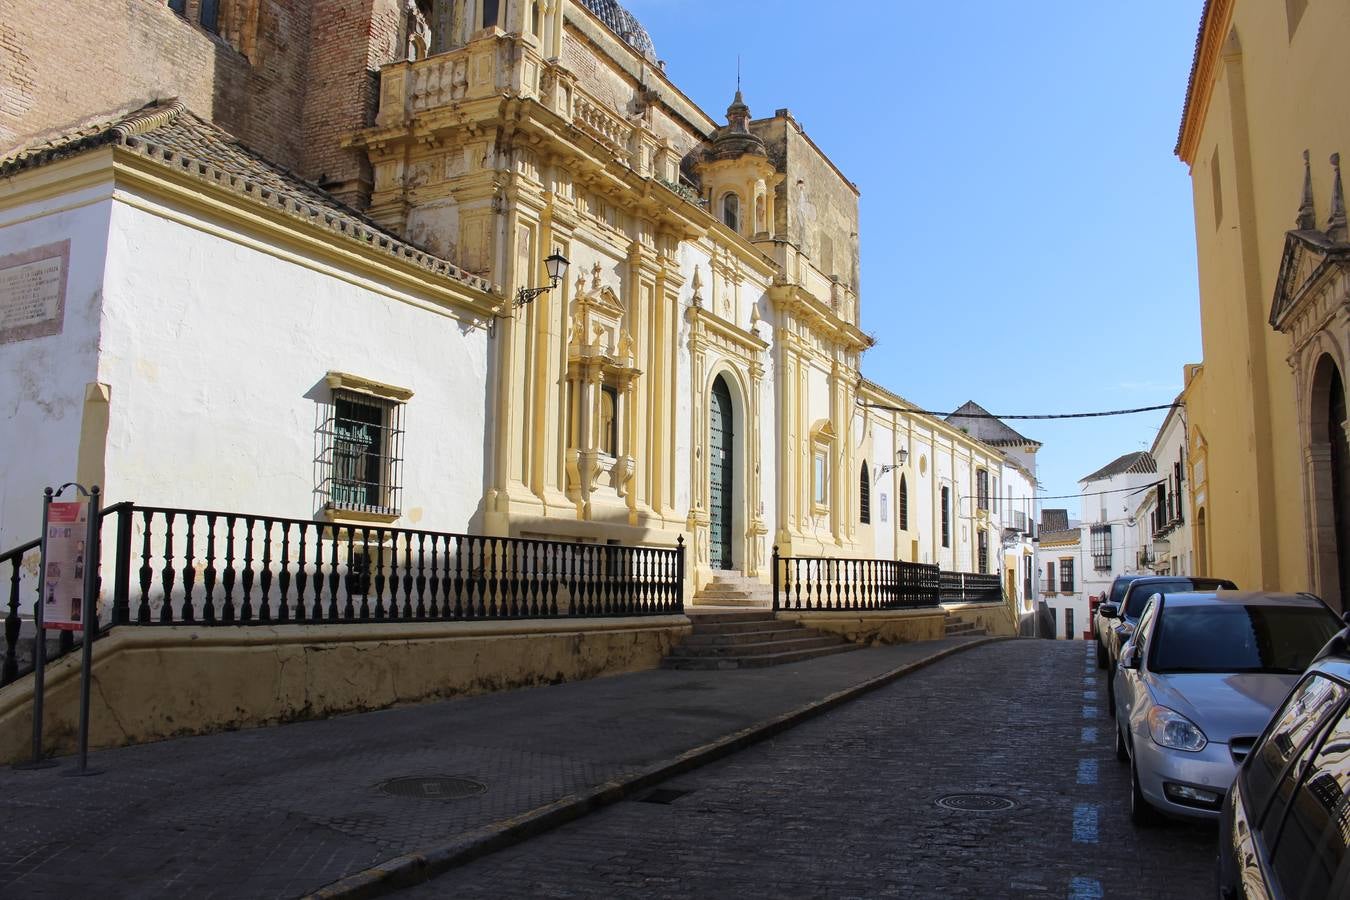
<point x="1133" y="490"/>
<point x="1079" y="415"/>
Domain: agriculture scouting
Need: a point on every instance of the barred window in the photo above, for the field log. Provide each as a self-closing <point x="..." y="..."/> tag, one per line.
<point x="1049" y="577"/>
<point x="361" y="462"/>
<point x="946" y="517"/>
<point x="1066" y="576"/>
<point x="984" y="551"/>
<point x="904" y="502"/>
<point x="981" y="488"/>
<point x="1101" y="547"/>
<point x="864" y="496"/>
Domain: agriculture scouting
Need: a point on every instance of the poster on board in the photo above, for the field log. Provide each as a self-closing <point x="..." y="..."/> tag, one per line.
<point x="63" y="581"/>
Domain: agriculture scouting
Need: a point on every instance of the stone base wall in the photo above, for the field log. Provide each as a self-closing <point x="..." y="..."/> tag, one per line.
<point x="152" y="683"/>
<point x="880" y="626"/>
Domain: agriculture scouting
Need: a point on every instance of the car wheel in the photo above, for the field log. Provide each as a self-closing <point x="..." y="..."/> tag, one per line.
<point x="1122" y="752"/>
<point x="1142" y="814"/>
<point x="1101" y="656"/>
<point x="1110" y="696"/>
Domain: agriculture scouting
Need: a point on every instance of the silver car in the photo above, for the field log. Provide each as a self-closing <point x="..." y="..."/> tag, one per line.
<point x="1196" y="685"/>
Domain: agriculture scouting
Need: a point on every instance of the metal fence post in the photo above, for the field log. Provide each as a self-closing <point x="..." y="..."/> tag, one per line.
<point x="776" y="576"/>
<point x="679" y="568"/>
<point x="121" y="608"/>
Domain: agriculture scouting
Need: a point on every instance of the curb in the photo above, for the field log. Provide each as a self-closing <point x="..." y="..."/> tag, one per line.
<point x="418" y="866"/>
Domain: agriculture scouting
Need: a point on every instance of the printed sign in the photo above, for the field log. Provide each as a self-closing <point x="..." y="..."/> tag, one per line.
<point x="63" y="582"/>
<point x="33" y="292"/>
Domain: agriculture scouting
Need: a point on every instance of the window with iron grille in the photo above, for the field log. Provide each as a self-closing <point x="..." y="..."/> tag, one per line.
<point x="946" y="517"/>
<point x="982" y="488"/>
<point x="864" y="496"/>
<point x="1049" y="577"/>
<point x="361" y="461"/>
<point x="1101" y="547"/>
<point x="983" y="552"/>
<point x="1066" y="575"/>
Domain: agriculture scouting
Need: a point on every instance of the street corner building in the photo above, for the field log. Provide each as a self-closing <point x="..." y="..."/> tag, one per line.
<point x="1269" y="464"/>
<point x="350" y="303"/>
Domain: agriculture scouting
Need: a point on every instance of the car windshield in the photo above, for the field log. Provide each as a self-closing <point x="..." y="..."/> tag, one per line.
<point x="1118" y="590"/>
<point x="1233" y="638"/>
<point x="1139" y="592"/>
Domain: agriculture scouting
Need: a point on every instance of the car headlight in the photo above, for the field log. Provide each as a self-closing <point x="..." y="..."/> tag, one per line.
<point x="1171" y="729"/>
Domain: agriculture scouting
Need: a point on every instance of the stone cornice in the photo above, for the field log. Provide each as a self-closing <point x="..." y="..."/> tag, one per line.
<point x="1215" y="22"/>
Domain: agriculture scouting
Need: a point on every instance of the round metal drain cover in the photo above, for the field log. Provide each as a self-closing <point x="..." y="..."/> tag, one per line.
<point x="433" y="787"/>
<point x="976" y="802"/>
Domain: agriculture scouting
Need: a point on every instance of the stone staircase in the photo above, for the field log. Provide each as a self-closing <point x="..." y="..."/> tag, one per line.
<point x="955" y="626"/>
<point x="744" y="640"/>
<point x="734" y="591"/>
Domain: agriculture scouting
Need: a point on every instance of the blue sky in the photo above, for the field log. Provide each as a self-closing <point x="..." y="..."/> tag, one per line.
<point x="1027" y="233"/>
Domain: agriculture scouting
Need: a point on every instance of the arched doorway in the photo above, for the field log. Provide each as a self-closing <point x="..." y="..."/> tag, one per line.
<point x="1330" y="493"/>
<point x="721" y="490"/>
<point x="1201" y="543"/>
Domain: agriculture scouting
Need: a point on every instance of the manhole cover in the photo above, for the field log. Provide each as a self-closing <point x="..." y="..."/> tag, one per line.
<point x="976" y="802"/>
<point x="433" y="787"/>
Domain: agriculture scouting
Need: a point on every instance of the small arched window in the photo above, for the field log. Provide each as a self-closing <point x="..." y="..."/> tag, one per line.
<point x="731" y="211"/>
<point x="609" y="438"/>
<point x="904" y="503"/>
<point x="864" y="496"/>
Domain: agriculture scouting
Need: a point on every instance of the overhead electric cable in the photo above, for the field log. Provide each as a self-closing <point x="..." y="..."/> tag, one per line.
<point x="964" y="415"/>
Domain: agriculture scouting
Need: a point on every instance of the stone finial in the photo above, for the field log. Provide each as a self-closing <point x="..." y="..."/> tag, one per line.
<point x="738" y="113"/>
<point x="1307" y="213"/>
<point x="1336" y="225"/>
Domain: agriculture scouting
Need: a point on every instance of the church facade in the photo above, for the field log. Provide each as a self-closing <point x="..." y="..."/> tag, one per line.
<point x="468" y="266"/>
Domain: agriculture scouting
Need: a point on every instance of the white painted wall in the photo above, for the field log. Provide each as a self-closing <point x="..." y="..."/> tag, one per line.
<point x="43" y="380"/>
<point x="216" y="353"/>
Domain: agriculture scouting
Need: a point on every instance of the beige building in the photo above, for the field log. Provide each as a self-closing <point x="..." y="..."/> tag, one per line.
<point x="1262" y="132"/>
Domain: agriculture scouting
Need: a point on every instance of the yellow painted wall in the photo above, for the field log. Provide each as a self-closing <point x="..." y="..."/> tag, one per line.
<point x="1260" y="97"/>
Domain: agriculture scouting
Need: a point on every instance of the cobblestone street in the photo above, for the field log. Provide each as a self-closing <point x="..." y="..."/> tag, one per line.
<point x="846" y="805"/>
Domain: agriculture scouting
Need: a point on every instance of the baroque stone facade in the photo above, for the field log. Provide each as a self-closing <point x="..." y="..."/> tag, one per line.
<point x="695" y="373"/>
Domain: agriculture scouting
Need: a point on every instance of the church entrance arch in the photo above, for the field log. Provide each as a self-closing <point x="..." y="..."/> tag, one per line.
<point x="1330" y="472"/>
<point x="721" y="476"/>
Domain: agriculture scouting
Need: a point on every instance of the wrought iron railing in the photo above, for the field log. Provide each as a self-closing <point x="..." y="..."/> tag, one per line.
<point x="184" y="566"/>
<point x="802" y="583"/>
<point x="969" y="587"/>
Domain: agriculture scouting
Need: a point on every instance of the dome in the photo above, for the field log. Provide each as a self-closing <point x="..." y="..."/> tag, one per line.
<point x="624" y="24"/>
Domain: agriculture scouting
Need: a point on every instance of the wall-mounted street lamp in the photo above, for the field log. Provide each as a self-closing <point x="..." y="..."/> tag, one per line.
<point x="557" y="267"/>
<point x="900" y="456"/>
<point x="556" y="264"/>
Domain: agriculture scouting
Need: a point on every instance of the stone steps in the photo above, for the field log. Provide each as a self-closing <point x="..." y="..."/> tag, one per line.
<point x="733" y="591"/>
<point x="750" y="640"/>
<point x="955" y="626"/>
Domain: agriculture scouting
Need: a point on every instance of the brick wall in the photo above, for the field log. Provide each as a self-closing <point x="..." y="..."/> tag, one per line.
<point x="60" y="68"/>
<point x="349" y="41"/>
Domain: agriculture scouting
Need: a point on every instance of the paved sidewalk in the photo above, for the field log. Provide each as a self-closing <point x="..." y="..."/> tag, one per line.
<point x="279" y="812"/>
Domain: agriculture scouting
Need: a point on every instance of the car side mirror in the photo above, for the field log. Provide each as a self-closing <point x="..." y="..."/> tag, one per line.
<point x="1109" y="611"/>
<point x="1131" y="659"/>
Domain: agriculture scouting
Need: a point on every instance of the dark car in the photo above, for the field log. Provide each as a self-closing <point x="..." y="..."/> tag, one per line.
<point x="1119" y="620"/>
<point x="1284" y="831"/>
<point x="1100" y="623"/>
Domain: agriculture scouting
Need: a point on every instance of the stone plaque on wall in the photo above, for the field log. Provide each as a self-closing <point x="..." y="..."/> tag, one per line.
<point x="33" y="292"/>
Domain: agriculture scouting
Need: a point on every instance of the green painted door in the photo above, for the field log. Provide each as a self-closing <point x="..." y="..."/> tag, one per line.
<point x="721" y="439"/>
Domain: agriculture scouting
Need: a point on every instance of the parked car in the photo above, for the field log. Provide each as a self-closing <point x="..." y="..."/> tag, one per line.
<point x="1283" y="832"/>
<point x="1121" y="618"/>
<point x="1198" y="682"/>
<point x="1100" y="623"/>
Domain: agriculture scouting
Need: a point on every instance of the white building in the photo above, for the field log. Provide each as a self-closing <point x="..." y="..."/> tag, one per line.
<point x="1162" y="528"/>
<point x="1109" y="498"/>
<point x="1059" y="556"/>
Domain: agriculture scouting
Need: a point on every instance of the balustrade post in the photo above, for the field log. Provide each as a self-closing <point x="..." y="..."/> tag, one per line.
<point x="12" y="623"/>
<point x="121" y="610"/>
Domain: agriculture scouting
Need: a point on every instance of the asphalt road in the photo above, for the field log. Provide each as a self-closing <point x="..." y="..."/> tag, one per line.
<point x="847" y="805"/>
